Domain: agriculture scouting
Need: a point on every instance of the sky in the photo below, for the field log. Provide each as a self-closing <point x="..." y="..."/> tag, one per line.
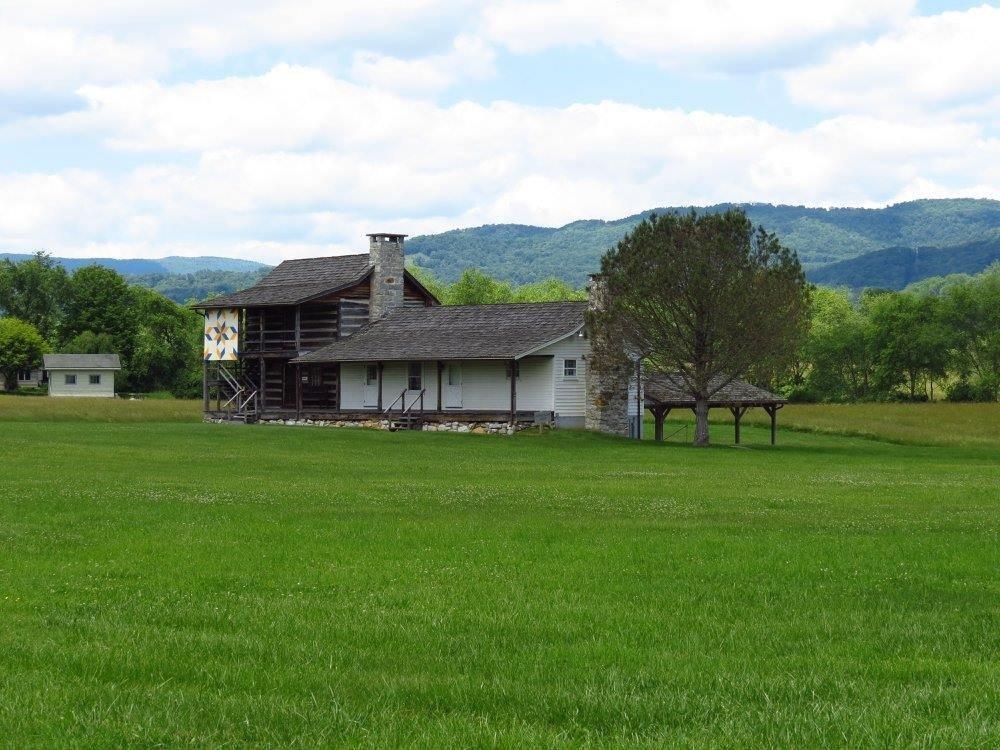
<point x="273" y="129"/>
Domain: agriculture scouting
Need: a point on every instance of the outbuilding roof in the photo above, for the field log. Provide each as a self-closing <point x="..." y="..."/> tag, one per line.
<point x="293" y="282"/>
<point x="505" y="331"/>
<point x="81" y="362"/>
<point x="668" y="389"/>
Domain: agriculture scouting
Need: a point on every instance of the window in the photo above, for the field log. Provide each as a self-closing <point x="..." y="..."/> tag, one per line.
<point x="414" y="381"/>
<point x="569" y="368"/>
<point x="371" y="374"/>
<point x="24" y="374"/>
<point x="95" y="379"/>
<point x="69" y="379"/>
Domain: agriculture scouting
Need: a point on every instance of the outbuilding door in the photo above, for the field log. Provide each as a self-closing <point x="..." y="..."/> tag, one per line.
<point x="371" y="385"/>
<point x="452" y="387"/>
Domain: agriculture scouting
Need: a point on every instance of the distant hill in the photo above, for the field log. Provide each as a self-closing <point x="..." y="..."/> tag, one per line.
<point x="898" y="267"/>
<point x="522" y="253"/>
<point x="953" y="236"/>
<point x="192" y="287"/>
<point x="136" y="266"/>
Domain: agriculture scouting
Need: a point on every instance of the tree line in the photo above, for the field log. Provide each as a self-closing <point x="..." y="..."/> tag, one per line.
<point x="932" y="340"/>
<point x="93" y="310"/>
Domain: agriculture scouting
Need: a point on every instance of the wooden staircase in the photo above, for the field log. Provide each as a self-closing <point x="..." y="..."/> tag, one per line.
<point x="241" y="404"/>
<point x="406" y="418"/>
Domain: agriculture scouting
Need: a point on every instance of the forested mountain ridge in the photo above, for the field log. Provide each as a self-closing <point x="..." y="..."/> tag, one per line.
<point x="953" y="236"/>
<point x="173" y="264"/>
<point x="521" y="253"/>
<point x="898" y="267"/>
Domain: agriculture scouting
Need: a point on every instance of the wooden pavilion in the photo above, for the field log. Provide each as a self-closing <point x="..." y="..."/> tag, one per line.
<point x="666" y="391"/>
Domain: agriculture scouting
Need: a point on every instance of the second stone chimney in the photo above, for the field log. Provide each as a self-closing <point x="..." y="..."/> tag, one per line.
<point x="386" y="253"/>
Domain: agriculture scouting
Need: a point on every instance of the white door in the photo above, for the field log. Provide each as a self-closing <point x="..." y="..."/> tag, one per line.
<point x="371" y="385"/>
<point x="453" y="386"/>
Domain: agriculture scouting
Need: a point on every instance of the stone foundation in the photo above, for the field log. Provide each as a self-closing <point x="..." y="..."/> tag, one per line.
<point x="474" y="428"/>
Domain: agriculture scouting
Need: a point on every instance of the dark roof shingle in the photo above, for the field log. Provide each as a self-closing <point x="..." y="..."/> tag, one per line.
<point x="668" y="388"/>
<point x="506" y="331"/>
<point x="295" y="281"/>
<point x="81" y="362"/>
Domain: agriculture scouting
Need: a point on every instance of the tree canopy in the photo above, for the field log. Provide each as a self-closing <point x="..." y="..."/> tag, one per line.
<point x="21" y="348"/>
<point x="708" y="297"/>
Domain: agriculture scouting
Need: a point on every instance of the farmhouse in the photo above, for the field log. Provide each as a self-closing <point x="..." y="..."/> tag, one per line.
<point x="357" y="339"/>
<point x="91" y="375"/>
<point x="27" y="378"/>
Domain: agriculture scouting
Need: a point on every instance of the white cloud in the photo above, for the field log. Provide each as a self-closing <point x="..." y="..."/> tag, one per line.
<point x="296" y="161"/>
<point x="680" y="33"/>
<point x="469" y="57"/>
<point x="951" y="60"/>
<point x="34" y="59"/>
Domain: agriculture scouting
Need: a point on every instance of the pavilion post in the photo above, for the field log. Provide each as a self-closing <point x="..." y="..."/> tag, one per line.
<point x="772" y="412"/>
<point x="738" y="412"/>
<point x="659" y="415"/>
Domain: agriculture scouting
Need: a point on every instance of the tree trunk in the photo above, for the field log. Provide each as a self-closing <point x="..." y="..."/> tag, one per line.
<point x="10" y="381"/>
<point x="701" y="421"/>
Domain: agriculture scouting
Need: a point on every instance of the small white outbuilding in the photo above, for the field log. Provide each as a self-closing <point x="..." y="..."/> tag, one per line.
<point x="90" y="375"/>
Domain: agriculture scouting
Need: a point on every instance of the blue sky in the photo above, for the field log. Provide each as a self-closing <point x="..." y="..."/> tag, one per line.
<point x="280" y="128"/>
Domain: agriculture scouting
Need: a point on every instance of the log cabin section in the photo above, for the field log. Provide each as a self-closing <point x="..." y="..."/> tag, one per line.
<point x="301" y="306"/>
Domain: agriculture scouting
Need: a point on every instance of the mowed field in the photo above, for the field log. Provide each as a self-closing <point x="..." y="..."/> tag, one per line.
<point x="169" y="582"/>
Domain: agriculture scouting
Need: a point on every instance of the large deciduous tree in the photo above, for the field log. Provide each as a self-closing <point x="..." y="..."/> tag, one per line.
<point x="21" y="348"/>
<point x="972" y="312"/>
<point x="34" y="291"/>
<point x="709" y="297"/>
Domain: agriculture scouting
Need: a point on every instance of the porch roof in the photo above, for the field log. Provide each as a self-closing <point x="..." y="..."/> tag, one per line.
<point x="505" y="331"/>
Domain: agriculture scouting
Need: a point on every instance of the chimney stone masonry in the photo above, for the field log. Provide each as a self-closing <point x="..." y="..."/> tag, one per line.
<point x="606" y="376"/>
<point x="386" y="253"/>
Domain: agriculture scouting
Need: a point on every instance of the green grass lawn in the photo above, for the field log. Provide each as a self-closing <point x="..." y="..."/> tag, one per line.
<point x="181" y="583"/>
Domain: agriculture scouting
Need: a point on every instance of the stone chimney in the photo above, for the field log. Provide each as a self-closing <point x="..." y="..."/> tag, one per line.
<point x="606" y="376"/>
<point x="386" y="253"/>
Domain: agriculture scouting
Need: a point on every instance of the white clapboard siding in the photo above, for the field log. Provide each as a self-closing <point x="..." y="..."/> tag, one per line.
<point x="395" y="377"/>
<point x="83" y="387"/>
<point x="569" y="393"/>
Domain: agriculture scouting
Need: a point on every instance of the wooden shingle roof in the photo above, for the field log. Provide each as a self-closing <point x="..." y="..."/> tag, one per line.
<point x="81" y="362"/>
<point x="667" y="389"/>
<point x="506" y="331"/>
<point x="293" y="282"/>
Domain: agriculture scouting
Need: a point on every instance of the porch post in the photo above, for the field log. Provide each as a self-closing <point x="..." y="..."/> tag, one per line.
<point x="298" y="328"/>
<point x="298" y="387"/>
<point x="513" y="392"/>
<point x="440" y="403"/>
<point x="262" y="392"/>
<point x="204" y="384"/>
<point x="380" y="387"/>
